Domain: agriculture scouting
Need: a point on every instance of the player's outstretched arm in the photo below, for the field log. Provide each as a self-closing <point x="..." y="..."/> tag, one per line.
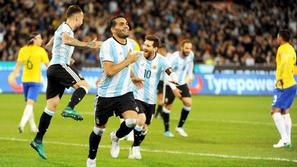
<point x="50" y="43"/>
<point x="68" y="40"/>
<point x="17" y="68"/>
<point x="111" y="69"/>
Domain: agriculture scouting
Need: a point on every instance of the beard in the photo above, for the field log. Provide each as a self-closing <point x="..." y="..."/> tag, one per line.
<point x="122" y="35"/>
<point x="185" y="54"/>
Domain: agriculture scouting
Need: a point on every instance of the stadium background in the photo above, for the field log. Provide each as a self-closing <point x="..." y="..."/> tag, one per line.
<point x="234" y="46"/>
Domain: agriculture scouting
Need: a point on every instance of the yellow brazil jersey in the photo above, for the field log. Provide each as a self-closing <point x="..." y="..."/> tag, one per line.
<point x="285" y="65"/>
<point x="32" y="56"/>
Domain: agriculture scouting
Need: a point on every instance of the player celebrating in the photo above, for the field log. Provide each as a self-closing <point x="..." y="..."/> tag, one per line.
<point x="285" y="90"/>
<point x="31" y="55"/>
<point x="182" y="64"/>
<point x="60" y="75"/>
<point x="149" y="67"/>
<point x="115" y="89"/>
<point x="161" y="88"/>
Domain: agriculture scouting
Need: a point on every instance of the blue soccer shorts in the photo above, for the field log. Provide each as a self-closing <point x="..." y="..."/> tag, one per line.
<point x="31" y="90"/>
<point x="283" y="98"/>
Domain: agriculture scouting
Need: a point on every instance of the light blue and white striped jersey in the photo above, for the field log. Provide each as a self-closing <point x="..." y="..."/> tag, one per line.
<point x="61" y="53"/>
<point x="182" y="66"/>
<point x="150" y="71"/>
<point x="120" y="83"/>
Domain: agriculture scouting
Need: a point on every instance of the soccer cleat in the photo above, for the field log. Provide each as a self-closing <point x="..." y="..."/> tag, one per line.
<point x="69" y="112"/>
<point x="115" y="147"/>
<point x="168" y="134"/>
<point x="135" y="152"/>
<point x="181" y="131"/>
<point x="39" y="148"/>
<point x="282" y="144"/>
<point x="131" y="154"/>
<point x="34" y="130"/>
<point x="21" y="129"/>
<point x="91" y="162"/>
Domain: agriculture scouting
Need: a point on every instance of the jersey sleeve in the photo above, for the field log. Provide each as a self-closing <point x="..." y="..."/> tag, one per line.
<point x="105" y="53"/>
<point x="164" y="64"/>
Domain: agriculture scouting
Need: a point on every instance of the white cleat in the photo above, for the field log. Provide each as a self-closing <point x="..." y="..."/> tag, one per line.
<point x="134" y="152"/>
<point x="281" y="144"/>
<point x="181" y="131"/>
<point x="34" y="129"/>
<point x="91" y="162"/>
<point x="115" y="147"/>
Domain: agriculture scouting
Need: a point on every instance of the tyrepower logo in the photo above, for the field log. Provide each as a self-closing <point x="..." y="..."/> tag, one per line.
<point x="229" y="84"/>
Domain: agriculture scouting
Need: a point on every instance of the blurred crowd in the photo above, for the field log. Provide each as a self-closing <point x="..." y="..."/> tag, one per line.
<point x="239" y="32"/>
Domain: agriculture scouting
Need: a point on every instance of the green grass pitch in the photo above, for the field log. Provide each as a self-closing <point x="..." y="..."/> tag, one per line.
<point x="223" y="131"/>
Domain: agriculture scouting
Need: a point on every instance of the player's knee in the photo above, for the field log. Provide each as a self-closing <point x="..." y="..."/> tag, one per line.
<point x="188" y="103"/>
<point x="98" y="131"/>
<point x="141" y="121"/>
<point x="131" y="122"/>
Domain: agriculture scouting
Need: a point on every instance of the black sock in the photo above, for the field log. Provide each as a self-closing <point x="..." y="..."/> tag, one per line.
<point x="77" y="96"/>
<point x="138" y="138"/>
<point x="123" y="130"/>
<point x="183" y="117"/>
<point x="159" y="110"/>
<point x="94" y="141"/>
<point x="166" y="120"/>
<point x="44" y="122"/>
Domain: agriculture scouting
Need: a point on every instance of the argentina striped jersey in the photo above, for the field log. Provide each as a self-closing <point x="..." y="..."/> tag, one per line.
<point x="182" y="66"/>
<point x="150" y="71"/>
<point x="120" y="83"/>
<point x="61" y="53"/>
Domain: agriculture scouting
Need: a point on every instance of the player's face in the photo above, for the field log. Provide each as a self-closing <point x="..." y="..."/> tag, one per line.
<point x="121" y="29"/>
<point x="148" y="48"/>
<point x="186" y="49"/>
<point x="79" y="18"/>
<point x="38" y="40"/>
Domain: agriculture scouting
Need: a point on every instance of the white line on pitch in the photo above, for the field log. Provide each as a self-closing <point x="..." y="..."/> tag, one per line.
<point x="166" y="151"/>
<point x="223" y="121"/>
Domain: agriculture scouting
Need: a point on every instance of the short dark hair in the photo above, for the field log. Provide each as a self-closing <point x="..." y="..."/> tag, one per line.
<point x="153" y="38"/>
<point x="183" y="42"/>
<point x="73" y="9"/>
<point x="31" y="37"/>
<point x="285" y="34"/>
<point x="113" y="22"/>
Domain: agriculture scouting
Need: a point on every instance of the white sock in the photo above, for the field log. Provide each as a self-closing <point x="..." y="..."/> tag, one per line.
<point x="280" y="125"/>
<point x="288" y="125"/>
<point x="32" y="122"/>
<point x="26" y="115"/>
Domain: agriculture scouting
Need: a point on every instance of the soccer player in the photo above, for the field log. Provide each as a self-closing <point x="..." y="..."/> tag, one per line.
<point x="285" y="90"/>
<point x="115" y="94"/>
<point x="149" y="67"/>
<point x="60" y="75"/>
<point x="161" y="86"/>
<point x="182" y="64"/>
<point x="32" y="55"/>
